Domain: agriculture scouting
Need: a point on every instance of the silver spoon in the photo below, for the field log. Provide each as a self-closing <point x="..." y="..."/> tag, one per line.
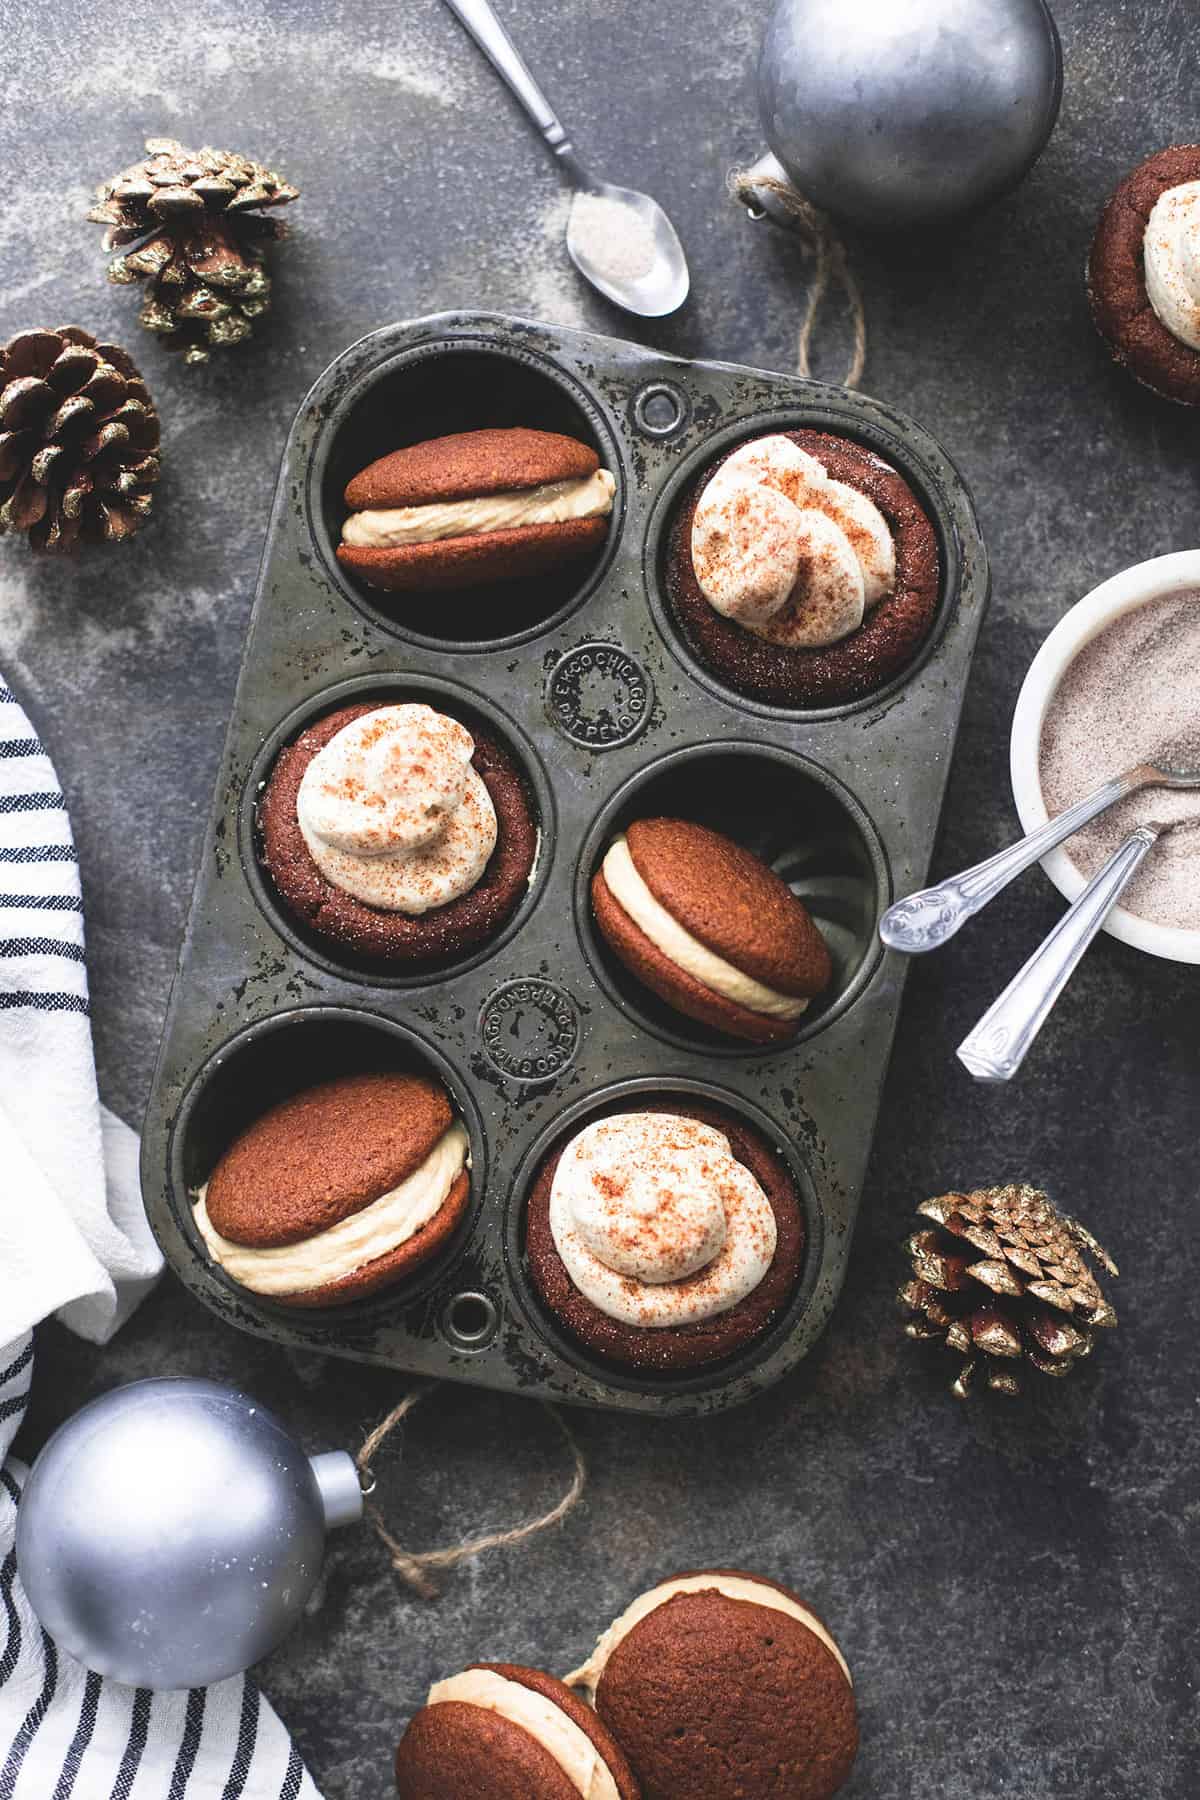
<point x="926" y="920"/>
<point x="659" y="287"/>
<point x="997" y="1046"/>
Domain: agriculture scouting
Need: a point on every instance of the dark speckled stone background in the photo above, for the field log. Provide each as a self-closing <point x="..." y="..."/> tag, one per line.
<point x="1016" y="1586"/>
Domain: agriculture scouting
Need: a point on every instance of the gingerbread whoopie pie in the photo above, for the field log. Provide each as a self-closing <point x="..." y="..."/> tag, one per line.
<point x="474" y="508"/>
<point x="710" y="929"/>
<point x="725" y="1686"/>
<point x="802" y="570"/>
<point x="397" y="833"/>
<point x="1143" y="274"/>
<point x="500" y="1732"/>
<point x="664" y="1238"/>
<point x="341" y="1190"/>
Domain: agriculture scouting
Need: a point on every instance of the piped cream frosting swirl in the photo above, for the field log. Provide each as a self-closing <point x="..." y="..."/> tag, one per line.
<point x="1171" y="256"/>
<point x="784" y="550"/>
<point x="656" y="1220"/>
<point x="393" y="813"/>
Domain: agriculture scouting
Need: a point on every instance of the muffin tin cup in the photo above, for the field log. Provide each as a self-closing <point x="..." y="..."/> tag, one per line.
<point x="888" y="441"/>
<point x="635" y="1093"/>
<point x="590" y="687"/>
<point x="268" y="1062"/>
<point x="455" y="699"/>
<point x="801" y="821"/>
<point x="476" y="381"/>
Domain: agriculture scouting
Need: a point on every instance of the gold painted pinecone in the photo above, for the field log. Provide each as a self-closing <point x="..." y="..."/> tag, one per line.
<point x="1000" y="1277"/>
<point x="78" y="440"/>
<point x="200" y="236"/>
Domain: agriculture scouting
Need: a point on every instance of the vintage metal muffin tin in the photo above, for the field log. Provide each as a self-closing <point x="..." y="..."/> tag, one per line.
<point x="588" y="683"/>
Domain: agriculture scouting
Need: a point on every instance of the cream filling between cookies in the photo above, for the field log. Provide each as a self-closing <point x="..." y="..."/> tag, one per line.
<point x="680" y="947"/>
<point x="734" y="1587"/>
<point x="330" y="1255"/>
<point x="569" y="1745"/>
<point x="553" y="503"/>
<point x="1171" y="258"/>
<point x="657" y="1222"/>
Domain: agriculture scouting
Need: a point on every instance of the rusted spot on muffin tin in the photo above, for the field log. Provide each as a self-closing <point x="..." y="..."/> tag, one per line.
<point x="538" y="1026"/>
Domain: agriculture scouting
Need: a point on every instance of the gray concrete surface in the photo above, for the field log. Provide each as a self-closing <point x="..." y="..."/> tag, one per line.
<point x="1016" y="1587"/>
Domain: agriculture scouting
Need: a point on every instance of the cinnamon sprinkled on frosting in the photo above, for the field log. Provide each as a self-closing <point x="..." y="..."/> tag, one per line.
<point x="784" y="550"/>
<point x="657" y="1222"/>
<point x="393" y="813"/>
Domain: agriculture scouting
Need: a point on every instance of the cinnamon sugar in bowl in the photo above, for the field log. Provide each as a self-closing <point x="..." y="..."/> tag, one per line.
<point x="1117" y="683"/>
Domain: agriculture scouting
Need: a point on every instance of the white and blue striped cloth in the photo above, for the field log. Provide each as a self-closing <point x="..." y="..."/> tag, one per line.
<point x="73" y="1235"/>
<point x="74" y="1241"/>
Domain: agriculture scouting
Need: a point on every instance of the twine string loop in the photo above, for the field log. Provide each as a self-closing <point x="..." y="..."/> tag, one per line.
<point x="416" y="1568"/>
<point x="830" y="263"/>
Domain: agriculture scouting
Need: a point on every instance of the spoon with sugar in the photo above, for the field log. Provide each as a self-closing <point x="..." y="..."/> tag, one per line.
<point x="619" y="240"/>
<point x="927" y="920"/>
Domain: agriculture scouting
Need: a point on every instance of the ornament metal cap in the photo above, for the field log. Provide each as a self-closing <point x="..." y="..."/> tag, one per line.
<point x="171" y="1533"/>
<point x="760" y="185"/>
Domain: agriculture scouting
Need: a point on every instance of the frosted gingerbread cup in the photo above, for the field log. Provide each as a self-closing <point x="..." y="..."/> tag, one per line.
<point x="1161" y="579"/>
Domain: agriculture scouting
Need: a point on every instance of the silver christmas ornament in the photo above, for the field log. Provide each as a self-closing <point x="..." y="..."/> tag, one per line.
<point x="171" y="1532"/>
<point x="899" y="113"/>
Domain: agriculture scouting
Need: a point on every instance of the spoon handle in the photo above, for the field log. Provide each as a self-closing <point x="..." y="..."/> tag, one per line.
<point x="477" y="18"/>
<point x="926" y="920"/>
<point x="996" y="1048"/>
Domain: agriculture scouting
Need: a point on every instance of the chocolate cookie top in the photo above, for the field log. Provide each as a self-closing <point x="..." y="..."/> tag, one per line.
<point x="453" y="1750"/>
<point x="1116" y="279"/>
<point x="470" y="463"/>
<point x="323" y="1154"/>
<point x="732" y="902"/>
<point x="859" y="664"/>
<point x="458" y="1746"/>
<point x="589" y="1722"/>
<point x="724" y="1699"/>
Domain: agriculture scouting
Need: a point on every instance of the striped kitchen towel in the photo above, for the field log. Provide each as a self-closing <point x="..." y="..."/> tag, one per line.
<point x="67" y="1735"/>
<point x="74" y="1241"/>
<point x="73" y="1233"/>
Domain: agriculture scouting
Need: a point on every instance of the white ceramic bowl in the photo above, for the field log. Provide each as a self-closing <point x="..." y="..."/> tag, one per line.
<point x="1153" y="580"/>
